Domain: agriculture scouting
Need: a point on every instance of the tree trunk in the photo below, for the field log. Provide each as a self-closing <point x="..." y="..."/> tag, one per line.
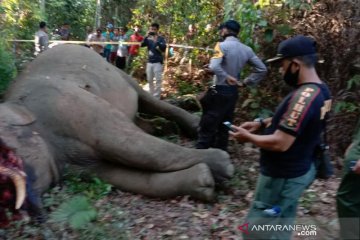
<point x="98" y="14"/>
<point x="42" y="7"/>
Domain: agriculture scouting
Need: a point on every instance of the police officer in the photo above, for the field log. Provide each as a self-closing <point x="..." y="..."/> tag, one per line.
<point x="218" y="104"/>
<point x="289" y="139"/>
<point x="348" y="195"/>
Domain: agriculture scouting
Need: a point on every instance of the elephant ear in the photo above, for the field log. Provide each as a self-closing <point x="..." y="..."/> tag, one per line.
<point x="16" y="115"/>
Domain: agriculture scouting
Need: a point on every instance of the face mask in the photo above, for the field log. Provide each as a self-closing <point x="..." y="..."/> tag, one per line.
<point x="290" y="78"/>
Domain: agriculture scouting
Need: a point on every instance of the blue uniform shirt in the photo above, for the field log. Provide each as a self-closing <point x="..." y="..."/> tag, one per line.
<point x="230" y="58"/>
<point x="301" y="114"/>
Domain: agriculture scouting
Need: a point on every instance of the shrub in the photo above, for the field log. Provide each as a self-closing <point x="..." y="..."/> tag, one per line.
<point x="7" y="67"/>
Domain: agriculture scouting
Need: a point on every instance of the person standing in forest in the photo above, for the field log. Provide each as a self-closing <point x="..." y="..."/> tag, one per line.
<point x="288" y="141"/>
<point x="41" y="39"/>
<point x="156" y="47"/>
<point x="99" y="48"/>
<point x="64" y="32"/>
<point x="134" y="49"/>
<point x="108" y="35"/>
<point x="218" y="104"/>
<point x="122" y="51"/>
<point x="348" y="194"/>
<point x="115" y="47"/>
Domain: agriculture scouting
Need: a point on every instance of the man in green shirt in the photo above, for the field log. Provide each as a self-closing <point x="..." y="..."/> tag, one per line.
<point x="348" y="195"/>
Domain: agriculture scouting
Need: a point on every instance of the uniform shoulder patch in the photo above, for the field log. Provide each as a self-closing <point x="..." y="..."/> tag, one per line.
<point x="217" y="51"/>
<point x="298" y="106"/>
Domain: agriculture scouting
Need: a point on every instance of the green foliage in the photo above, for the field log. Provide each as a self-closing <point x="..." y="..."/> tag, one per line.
<point x="354" y="82"/>
<point x="308" y="199"/>
<point x="7" y="67"/>
<point x="102" y="232"/>
<point x="174" y="17"/>
<point x="118" y="12"/>
<point x="87" y="184"/>
<point x="20" y="19"/>
<point x="249" y="17"/>
<point x="185" y="87"/>
<point x="348" y="107"/>
<point x="258" y="103"/>
<point x="79" y="14"/>
<point x="77" y="212"/>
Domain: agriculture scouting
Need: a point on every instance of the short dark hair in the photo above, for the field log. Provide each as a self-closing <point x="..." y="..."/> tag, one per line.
<point x="42" y="24"/>
<point x="156" y="25"/>
<point x="98" y="30"/>
<point x="309" y="60"/>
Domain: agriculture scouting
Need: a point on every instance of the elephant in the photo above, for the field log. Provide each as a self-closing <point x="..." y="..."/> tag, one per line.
<point x="70" y="106"/>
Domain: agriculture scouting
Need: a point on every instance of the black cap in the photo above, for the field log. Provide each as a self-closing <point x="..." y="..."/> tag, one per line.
<point x="231" y="25"/>
<point x="294" y="47"/>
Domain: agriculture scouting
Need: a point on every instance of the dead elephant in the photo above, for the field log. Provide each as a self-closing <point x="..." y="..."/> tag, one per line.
<point x="69" y="105"/>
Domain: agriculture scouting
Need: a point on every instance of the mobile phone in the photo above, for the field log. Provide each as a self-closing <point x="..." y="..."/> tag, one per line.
<point x="228" y="124"/>
<point x="352" y="165"/>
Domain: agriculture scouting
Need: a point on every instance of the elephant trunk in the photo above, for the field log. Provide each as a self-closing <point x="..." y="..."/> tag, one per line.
<point x="19" y="179"/>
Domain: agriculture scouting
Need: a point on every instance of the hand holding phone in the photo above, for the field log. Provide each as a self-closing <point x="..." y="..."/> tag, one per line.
<point x="228" y="124"/>
<point x="352" y="165"/>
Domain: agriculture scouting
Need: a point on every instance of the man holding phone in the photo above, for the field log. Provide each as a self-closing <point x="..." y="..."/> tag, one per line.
<point x="289" y="139"/>
<point x="156" y="47"/>
<point x="348" y="195"/>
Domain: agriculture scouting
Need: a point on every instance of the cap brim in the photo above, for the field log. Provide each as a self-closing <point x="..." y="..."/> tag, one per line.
<point x="274" y="59"/>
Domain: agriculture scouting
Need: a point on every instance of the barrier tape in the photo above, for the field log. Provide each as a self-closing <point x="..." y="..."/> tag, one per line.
<point x="117" y="43"/>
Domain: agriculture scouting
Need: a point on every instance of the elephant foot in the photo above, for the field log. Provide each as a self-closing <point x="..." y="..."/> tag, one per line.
<point x="201" y="183"/>
<point x="196" y="181"/>
<point x="220" y="164"/>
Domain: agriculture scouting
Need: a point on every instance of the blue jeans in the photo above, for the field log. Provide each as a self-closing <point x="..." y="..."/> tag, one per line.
<point x="107" y="52"/>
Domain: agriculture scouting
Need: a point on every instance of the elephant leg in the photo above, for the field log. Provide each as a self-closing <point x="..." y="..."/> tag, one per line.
<point x="148" y="104"/>
<point x="117" y="139"/>
<point x="195" y="181"/>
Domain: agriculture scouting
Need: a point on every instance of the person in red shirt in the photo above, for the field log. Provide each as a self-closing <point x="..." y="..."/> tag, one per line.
<point x="134" y="49"/>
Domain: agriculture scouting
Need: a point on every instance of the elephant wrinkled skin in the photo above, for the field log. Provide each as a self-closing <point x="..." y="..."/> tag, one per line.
<point x="69" y="105"/>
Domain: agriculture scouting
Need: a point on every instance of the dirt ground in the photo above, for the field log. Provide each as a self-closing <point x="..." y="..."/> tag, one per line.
<point x="124" y="215"/>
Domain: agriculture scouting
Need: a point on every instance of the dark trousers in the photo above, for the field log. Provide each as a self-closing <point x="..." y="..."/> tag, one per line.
<point x="107" y="52"/>
<point x="348" y="205"/>
<point x="218" y="106"/>
<point x="120" y="62"/>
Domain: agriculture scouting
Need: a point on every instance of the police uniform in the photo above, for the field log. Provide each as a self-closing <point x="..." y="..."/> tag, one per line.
<point x="348" y="195"/>
<point x="286" y="174"/>
<point x="219" y="103"/>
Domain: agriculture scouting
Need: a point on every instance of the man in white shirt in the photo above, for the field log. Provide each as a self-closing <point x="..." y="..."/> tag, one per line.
<point x="41" y="39"/>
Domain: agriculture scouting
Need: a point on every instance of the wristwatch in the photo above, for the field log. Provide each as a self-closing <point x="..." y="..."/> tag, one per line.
<point x="261" y="121"/>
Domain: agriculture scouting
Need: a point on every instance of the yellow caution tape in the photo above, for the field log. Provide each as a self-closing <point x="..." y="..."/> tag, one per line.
<point x="115" y="43"/>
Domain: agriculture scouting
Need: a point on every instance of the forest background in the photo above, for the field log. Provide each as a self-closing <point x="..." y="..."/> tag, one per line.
<point x="334" y="24"/>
